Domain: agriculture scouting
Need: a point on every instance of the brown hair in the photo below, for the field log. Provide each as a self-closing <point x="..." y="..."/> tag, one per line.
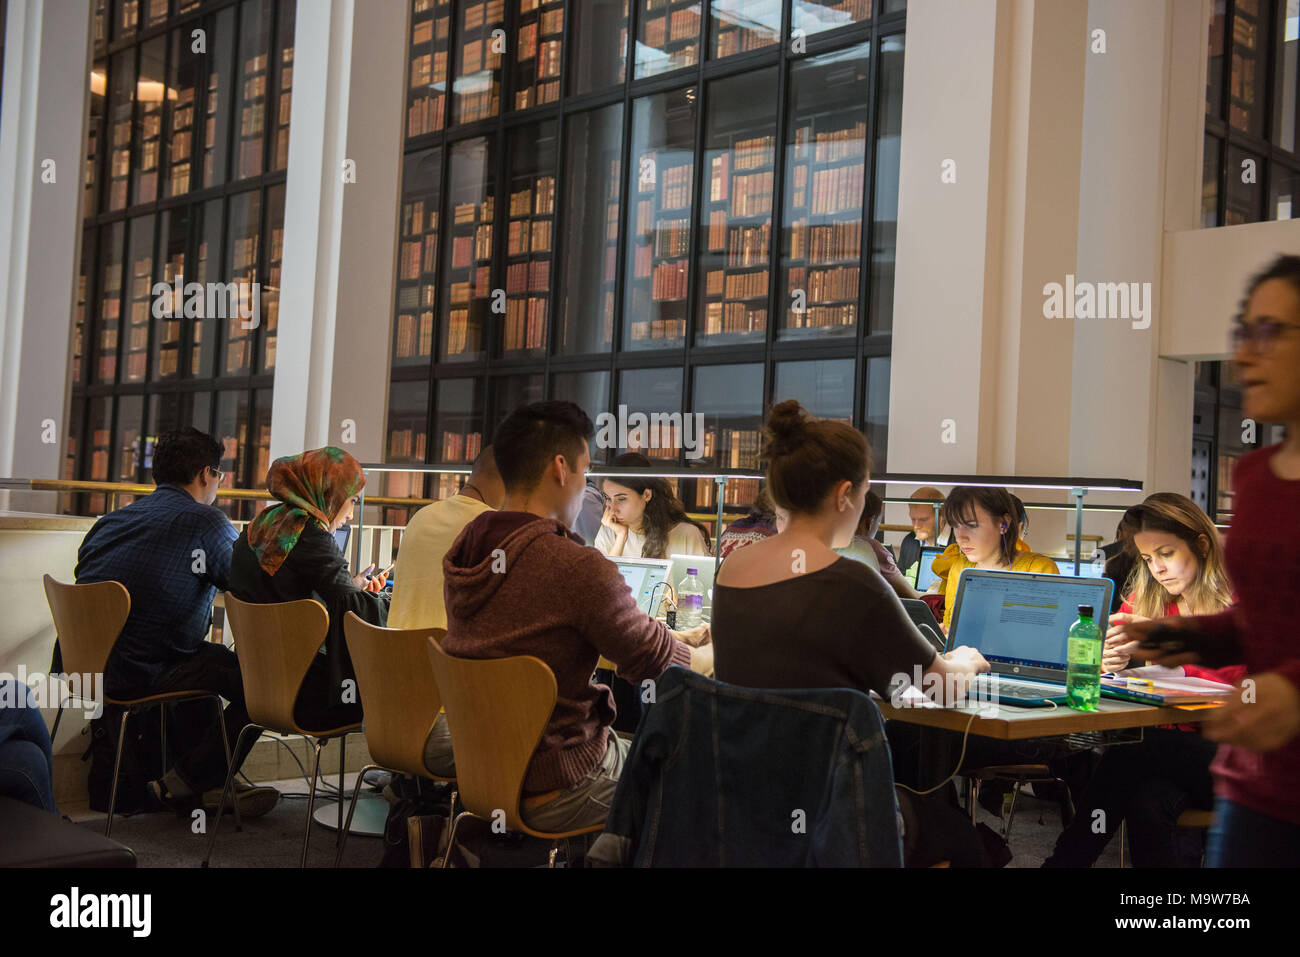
<point x="1179" y="516"/>
<point x="959" y="509"/>
<point x="663" y="512"/>
<point x="807" y="457"/>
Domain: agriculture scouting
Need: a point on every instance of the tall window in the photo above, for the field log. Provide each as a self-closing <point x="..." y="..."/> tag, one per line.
<point x="186" y="151"/>
<point x="655" y="205"/>
<point x="1252" y="101"/>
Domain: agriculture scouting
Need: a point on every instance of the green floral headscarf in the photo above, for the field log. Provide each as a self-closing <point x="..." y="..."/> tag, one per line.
<point x="313" y="486"/>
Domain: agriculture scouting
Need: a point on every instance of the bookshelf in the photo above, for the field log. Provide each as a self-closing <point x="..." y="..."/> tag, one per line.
<point x="254" y="75"/>
<point x="241" y="267"/>
<point x="110" y="304"/>
<point x="736" y="212"/>
<point x="180" y="108"/>
<point x="84" y="279"/>
<point x="130" y="414"/>
<point x="659" y="201"/>
<point x="530" y="227"/>
<point x="135" y="355"/>
<point x="739" y="27"/>
<point x="120" y="103"/>
<point x="477" y="90"/>
<point x="597" y="61"/>
<point x="1247" y="77"/>
<point x="459" y="420"/>
<point x="668" y="35"/>
<point x="271" y="285"/>
<point x="417" y="273"/>
<point x="167" y="330"/>
<point x="824" y="201"/>
<point x="284" y="86"/>
<point x="538" y="52"/>
<point x="468" y="220"/>
<point x="149" y="117"/>
<point x="426" y="96"/>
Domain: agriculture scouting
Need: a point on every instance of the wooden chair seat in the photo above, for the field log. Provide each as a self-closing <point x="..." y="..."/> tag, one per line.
<point x="168" y="696"/>
<point x="537" y="800"/>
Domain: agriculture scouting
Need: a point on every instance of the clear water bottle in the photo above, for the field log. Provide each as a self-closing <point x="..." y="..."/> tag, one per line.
<point x="1083" y="657"/>
<point x="690" y="601"/>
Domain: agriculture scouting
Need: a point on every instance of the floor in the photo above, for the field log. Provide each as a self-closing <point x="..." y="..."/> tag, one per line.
<point x="275" y="840"/>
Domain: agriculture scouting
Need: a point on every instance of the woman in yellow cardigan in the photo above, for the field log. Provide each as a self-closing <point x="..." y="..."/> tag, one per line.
<point x="986" y="533"/>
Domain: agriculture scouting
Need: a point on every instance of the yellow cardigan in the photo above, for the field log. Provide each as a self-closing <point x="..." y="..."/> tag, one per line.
<point x="952" y="563"/>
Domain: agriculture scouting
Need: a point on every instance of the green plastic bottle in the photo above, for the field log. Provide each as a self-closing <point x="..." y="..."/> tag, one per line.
<point x="1083" y="657"/>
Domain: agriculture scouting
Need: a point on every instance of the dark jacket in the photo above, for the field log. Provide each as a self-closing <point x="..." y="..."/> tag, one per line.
<point x="723" y="776"/>
<point x="314" y="568"/>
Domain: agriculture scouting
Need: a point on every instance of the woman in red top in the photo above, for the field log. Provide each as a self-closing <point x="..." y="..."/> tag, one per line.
<point x="1179" y="572"/>
<point x="1257" y="770"/>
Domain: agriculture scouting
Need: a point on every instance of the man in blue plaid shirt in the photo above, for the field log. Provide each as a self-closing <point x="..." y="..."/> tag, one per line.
<point x="171" y="550"/>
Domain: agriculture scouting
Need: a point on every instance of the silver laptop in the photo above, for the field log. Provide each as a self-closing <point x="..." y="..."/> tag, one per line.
<point x="1020" y="621"/>
<point x="646" y="577"/>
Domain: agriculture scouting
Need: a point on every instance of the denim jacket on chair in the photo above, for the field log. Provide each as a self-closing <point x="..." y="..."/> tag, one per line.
<point x="723" y="776"/>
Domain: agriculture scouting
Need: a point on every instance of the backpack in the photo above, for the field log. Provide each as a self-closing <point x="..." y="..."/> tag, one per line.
<point x="142" y="759"/>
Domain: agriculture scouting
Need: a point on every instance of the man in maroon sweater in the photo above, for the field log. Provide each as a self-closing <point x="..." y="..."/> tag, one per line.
<point x="518" y="582"/>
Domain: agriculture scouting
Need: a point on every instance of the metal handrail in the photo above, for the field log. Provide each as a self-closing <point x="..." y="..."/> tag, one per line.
<point x="131" y="488"/>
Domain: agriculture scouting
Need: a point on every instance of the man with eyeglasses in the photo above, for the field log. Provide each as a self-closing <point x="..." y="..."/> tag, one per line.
<point x="171" y="550"/>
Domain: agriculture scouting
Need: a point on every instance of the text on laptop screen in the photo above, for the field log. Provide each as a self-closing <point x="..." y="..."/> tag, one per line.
<point x="642" y="577"/>
<point x="1023" y="621"/>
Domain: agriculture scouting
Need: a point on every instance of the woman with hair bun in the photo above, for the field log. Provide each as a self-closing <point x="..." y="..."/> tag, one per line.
<point x="788" y="612"/>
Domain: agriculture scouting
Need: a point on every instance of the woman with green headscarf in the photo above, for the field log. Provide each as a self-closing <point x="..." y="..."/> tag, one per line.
<point x="288" y="552"/>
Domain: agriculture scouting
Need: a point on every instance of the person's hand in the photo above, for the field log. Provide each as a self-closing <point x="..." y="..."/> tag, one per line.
<point x="1262" y="715"/>
<point x="372" y="584"/>
<point x="614" y="525"/>
<point x="702" y="660"/>
<point x="1131" y="634"/>
<point x="966" y="658"/>
<point x="695" y="637"/>
<point x="1115" y="654"/>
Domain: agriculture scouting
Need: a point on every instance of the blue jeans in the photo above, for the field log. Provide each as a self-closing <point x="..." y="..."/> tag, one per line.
<point x="26" y="759"/>
<point x="1243" y="837"/>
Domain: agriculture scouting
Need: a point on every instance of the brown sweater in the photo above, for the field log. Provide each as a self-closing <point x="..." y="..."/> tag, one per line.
<point x="564" y="603"/>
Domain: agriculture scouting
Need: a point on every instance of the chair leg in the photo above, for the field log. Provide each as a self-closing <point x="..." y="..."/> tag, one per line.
<point x="451" y="840"/>
<point x="550" y="861"/>
<point x="117" y="768"/>
<point x="356" y="790"/>
<point x="972" y="797"/>
<point x="57" y="718"/>
<point x="162" y="733"/>
<point x="225" y="789"/>
<point x="225" y="744"/>
<point x="311" y="801"/>
<point x="338" y="835"/>
<point x="1122" y="835"/>
<point x="1011" y="812"/>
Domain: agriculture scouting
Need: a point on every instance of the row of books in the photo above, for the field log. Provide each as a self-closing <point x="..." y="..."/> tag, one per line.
<point x="672" y="237"/>
<point x="546" y="91"/>
<point x="745" y="285"/>
<point x="831" y="145"/>
<point x="751" y="194"/>
<point x="476" y="286"/>
<point x="837" y="189"/>
<point x="826" y="285"/>
<point x="821" y="316"/>
<point x="477" y="106"/>
<point x="832" y="242"/>
<point x="484" y="12"/>
<point x="414" y="336"/>
<point x="669" y="280"/>
<point x="476" y="55"/>
<point x="523" y="237"/>
<point x="529" y="276"/>
<point x="435" y="28"/>
<point x="418" y="256"/>
<point x="428" y="69"/>
<point x="543" y="192"/>
<point x="748" y="245"/>
<point x="741" y="492"/>
<point x="724" y="317"/>
<point x="466" y="250"/>
<point x="680" y="25"/>
<point x="732" y="448"/>
<point x="547" y="51"/>
<point x="525" y="326"/>
<point x="405" y="444"/>
<point x="410" y="296"/>
<point x="461" y="336"/>
<point x="458" y="447"/>
<point x="466" y="212"/>
<point x="426" y="114"/>
<point x="642" y="329"/>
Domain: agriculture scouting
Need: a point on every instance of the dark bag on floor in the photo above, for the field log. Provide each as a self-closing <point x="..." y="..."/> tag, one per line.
<point x="142" y="760"/>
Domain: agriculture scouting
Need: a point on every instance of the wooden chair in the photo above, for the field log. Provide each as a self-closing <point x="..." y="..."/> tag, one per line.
<point x="277" y="644"/>
<point x="497" y="709"/>
<point x="400" y="698"/>
<point x="1203" y="820"/>
<point x="88" y="620"/>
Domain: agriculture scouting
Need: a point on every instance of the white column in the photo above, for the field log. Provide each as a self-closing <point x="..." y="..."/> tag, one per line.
<point x="340" y="237"/>
<point x="42" y="144"/>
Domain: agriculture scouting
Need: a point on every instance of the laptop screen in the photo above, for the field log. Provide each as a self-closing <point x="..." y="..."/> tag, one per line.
<point x="1086" y="569"/>
<point x="1021" y="620"/>
<point x="924" y="576"/>
<point x="642" y="575"/>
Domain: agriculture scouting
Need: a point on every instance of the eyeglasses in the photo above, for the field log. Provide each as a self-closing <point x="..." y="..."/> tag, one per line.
<point x="1260" y="334"/>
<point x="356" y="499"/>
<point x="217" y="473"/>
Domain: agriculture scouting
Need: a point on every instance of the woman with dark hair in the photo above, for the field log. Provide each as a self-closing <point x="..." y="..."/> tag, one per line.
<point x="288" y="552"/>
<point x="1149" y="784"/>
<point x="1257" y="769"/>
<point x="986" y="527"/>
<point x="644" y="519"/>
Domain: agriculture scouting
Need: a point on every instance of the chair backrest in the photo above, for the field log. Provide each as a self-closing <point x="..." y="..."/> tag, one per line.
<point x="398" y="693"/>
<point x="497" y="709"/>
<point x="87" y="618"/>
<point x="276" y="644"/>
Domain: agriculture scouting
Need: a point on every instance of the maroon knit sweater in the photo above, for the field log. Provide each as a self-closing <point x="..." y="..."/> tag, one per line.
<point x="1263" y="559"/>
<point x="564" y="603"/>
